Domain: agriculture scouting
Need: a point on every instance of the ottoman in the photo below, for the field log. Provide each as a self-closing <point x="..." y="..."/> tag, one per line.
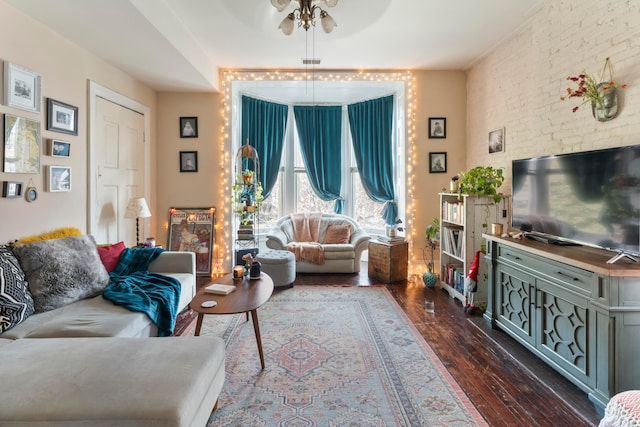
<point x="279" y="265"/>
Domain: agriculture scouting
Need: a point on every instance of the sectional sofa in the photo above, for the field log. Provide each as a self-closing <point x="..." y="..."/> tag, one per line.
<point x="88" y="361"/>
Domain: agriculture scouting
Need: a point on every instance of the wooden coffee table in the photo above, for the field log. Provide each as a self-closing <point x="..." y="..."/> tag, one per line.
<point x="250" y="294"/>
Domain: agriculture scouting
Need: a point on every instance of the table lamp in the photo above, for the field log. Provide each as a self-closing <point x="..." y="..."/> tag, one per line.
<point x="137" y="208"/>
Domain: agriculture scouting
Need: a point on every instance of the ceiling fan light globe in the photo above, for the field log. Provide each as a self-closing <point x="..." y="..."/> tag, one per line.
<point x="327" y="22"/>
<point x="280" y="4"/>
<point x="287" y="24"/>
<point x="328" y="3"/>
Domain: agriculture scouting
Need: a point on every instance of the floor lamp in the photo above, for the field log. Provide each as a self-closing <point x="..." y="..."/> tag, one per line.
<point x="137" y="208"/>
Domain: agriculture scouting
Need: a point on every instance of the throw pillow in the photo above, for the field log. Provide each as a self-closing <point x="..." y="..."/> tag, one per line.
<point x="110" y="255"/>
<point x="337" y="234"/>
<point x="62" y="271"/>
<point x="55" y="234"/>
<point x="16" y="303"/>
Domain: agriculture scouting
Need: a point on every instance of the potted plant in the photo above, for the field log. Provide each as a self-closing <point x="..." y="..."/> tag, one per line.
<point x="431" y="234"/>
<point x="247" y="176"/>
<point x="481" y="181"/>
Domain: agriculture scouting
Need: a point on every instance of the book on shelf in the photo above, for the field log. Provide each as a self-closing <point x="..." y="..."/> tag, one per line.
<point x="220" y="289"/>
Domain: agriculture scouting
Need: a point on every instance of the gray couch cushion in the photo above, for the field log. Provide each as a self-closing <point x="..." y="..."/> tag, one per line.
<point x="92" y="317"/>
<point x="16" y="303"/>
<point x="61" y="271"/>
<point x="172" y="381"/>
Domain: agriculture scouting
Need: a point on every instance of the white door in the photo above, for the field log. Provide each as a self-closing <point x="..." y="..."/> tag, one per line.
<point x="119" y="155"/>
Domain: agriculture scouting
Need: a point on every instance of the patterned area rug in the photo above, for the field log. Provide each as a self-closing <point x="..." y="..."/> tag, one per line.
<point x="335" y="356"/>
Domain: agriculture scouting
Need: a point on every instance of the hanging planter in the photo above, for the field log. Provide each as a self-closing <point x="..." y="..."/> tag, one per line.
<point x="602" y="94"/>
<point x="608" y="109"/>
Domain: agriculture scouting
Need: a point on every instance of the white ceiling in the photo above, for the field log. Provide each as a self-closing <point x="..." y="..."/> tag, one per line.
<point x="179" y="45"/>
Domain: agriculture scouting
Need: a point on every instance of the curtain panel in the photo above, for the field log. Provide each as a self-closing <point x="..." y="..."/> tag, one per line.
<point x="263" y="125"/>
<point x="319" y="131"/>
<point x="371" y="125"/>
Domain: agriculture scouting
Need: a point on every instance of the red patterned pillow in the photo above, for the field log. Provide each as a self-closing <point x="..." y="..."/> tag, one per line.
<point x="110" y="255"/>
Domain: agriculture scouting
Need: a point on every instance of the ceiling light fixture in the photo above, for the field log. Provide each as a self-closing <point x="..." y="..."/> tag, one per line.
<point x="305" y="13"/>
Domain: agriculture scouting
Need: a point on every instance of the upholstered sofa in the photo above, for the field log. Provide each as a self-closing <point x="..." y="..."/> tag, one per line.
<point x="90" y="362"/>
<point x="338" y="258"/>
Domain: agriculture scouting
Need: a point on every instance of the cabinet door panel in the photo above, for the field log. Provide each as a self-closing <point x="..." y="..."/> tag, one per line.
<point x="515" y="302"/>
<point x="564" y="325"/>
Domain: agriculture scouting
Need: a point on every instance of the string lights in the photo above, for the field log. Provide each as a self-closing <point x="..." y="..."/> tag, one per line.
<point x="229" y="76"/>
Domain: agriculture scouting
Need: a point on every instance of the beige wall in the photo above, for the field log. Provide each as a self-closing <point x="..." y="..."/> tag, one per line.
<point x="519" y="85"/>
<point x="66" y="71"/>
<point x="188" y="189"/>
<point x="438" y="94"/>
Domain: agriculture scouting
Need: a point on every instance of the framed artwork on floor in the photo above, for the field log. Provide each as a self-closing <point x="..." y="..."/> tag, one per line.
<point x="188" y="127"/>
<point x="192" y="230"/>
<point x="22" y="88"/>
<point x="437" y="162"/>
<point x="437" y="127"/>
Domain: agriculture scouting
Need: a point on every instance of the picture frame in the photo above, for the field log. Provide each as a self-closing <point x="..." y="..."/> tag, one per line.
<point x="11" y="189"/>
<point x="188" y="127"/>
<point x="62" y="117"/>
<point x="496" y="141"/>
<point x="192" y="230"/>
<point x="188" y="161"/>
<point x="59" y="148"/>
<point x="21" y="145"/>
<point x="22" y="88"/>
<point x="437" y="127"/>
<point x="58" y="178"/>
<point x="438" y="162"/>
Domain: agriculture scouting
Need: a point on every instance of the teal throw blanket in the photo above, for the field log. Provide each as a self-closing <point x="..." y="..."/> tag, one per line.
<point x="135" y="288"/>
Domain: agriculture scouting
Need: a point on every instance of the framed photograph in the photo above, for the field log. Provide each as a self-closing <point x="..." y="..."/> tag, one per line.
<point x="496" y="141"/>
<point x="59" y="148"/>
<point x="62" y="117"/>
<point x="59" y="178"/>
<point x="437" y="162"/>
<point x="22" y="88"/>
<point x="437" y="127"/>
<point x="188" y="161"/>
<point x="21" y="145"/>
<point x="188" y="127"/>
<point x="11" y="189"/>
<point x="192" y="230"/>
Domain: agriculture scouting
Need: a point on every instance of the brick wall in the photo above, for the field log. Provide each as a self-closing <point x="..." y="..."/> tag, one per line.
<point x="518" y="86"/>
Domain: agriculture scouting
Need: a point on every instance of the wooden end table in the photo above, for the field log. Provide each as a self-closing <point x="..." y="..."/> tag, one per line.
<point x="250" y="294"/>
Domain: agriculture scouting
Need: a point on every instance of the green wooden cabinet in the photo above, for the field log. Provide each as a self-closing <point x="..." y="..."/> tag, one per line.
<point x="572" y="309"/>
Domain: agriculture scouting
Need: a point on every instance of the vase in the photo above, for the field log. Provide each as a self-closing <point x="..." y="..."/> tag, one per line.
<point x="608" y="109"/>
<point x="254" y="272"/>
<point x="430" y="279"/>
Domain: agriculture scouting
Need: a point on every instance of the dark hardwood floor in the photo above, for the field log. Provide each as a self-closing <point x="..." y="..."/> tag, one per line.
<point x="508" y="385"/>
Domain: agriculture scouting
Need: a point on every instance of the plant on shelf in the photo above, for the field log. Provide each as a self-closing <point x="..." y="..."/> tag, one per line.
<point x="247" y="176"/>
<point x="431" y="234"/>
<point x="481" y="181"/>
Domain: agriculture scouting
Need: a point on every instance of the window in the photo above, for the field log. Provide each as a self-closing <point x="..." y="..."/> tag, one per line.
<point x="293" y="192"/>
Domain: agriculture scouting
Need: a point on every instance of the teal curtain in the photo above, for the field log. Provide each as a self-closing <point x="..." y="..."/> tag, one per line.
<point x="371" y="124"/>
<point x="263" y="125"/>
<point x="319" y="131"/>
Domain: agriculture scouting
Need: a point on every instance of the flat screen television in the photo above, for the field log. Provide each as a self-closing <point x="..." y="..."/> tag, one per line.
<point x="588" y="198"/>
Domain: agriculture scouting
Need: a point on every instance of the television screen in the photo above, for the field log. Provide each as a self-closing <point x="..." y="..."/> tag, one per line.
<point x="589" y="198"/>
